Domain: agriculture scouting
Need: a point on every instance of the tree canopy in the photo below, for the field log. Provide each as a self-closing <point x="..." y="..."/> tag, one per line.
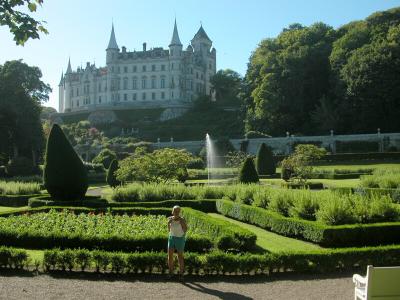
<point x="21" y="25"/>
<point x="312" y="79"/>
<point x="21" y="94"/>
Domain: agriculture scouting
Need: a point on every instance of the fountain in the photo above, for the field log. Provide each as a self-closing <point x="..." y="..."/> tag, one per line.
<point x="211" y="156"/>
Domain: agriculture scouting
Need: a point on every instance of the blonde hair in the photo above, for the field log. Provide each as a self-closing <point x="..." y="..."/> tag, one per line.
<point x="176" y="207"/>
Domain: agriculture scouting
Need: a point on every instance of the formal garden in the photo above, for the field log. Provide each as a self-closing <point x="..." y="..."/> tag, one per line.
<point x="311" y="218"/>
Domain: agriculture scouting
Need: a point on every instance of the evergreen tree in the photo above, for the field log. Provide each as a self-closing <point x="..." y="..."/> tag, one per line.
<point x="265" y="161"/>
<point x="248" y="173"/>
<point x="111" y="177"/>
<point x="64" y="176"/>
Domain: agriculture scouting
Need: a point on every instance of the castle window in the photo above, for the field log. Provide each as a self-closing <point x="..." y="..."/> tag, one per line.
<point x="162" y="95"/>
<point x="99" y="99"/>
<point x="144" y="82"/>
<point x="153" y="96"/>
<point x="134" y="83"/>
<point x="77" y="92"/>
<point x="112" y="69"/>
<point x="144" y="96"/>
<point x="197" y="75"/>
<point x="162" y="67"/>
<point x="201" y="76"/>
<point x="71" y="93"/>
<point x="162" y="83"/>
<point x="209" y="66"/>
<point x="125" y="97"/>
<point x="113" y="56"/>
<point x="77" y="103"/>
<point x="172" y="52"/>
<point x="99" y="87"/>
<point x="191" y="70"/>
<point x="134" y="69"/>
<point x="153" y="68"/>
<point x="134" y="97"/>
<point x="172" y="66"/>
<point x="125" y="83"/>
<point x="118" y="70"/>
<point x="125" y="69"/>
<point x="153" y="82"/>
<point x="144" y="68"/>
<point x="172" y="95"/>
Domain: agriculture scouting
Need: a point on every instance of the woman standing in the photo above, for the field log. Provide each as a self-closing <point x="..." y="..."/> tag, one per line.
<point x="177" y="228"/>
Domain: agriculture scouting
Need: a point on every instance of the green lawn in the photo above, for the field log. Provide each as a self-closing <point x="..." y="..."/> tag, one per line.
<point x="271" y="241"/>
<point x="12" y="209"/>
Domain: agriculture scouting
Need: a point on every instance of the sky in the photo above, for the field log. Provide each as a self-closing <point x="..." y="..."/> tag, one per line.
<point x="80" y="29"/>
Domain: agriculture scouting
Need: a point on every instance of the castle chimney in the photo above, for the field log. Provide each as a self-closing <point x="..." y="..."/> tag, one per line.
<point x="144" y="47"/>
<point x="123" y="49"/>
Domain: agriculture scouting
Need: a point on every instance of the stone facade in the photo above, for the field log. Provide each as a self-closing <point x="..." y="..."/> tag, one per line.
<point x="157" y="77"/>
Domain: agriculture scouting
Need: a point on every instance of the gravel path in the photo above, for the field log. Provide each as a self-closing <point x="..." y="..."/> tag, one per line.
<point x="17" y="286"/>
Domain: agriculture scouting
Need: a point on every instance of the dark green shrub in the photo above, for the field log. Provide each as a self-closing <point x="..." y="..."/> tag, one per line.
<point x="196" y="163"/>
<point x="182" y="175"/>
<point x="265" y="161"/>
<point x="82" y="259"/>
<point x="64" y="176"/>
<point x="111" y="177"/>
<point x="105" y="157"/>
<point x="248" y="173"/>
<point x="118" y="262"/>
<point x="20" y="166"/>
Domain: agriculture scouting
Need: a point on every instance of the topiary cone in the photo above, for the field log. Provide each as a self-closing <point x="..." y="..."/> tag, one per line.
<point x="111" y="178"/>
<point x="248" y="173"/>
<point x="64" y="176"/>
<point x="265" y="163"/>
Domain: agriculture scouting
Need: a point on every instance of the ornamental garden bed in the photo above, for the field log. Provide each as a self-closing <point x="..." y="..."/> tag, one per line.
<point x="119" y="229"/>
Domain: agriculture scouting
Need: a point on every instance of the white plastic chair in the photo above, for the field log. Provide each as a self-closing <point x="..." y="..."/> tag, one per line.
<point x="380" y="283"/>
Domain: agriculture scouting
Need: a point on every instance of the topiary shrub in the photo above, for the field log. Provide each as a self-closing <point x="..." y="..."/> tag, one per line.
<point x="265" y="161"/>
<point x="248" y="173"/>
<point x="20" y="166"/>
<point x="64" y="175"/>
<point x="111" y="177"/>
<point x="105" y="157"/>
<point x="182" y="175"/>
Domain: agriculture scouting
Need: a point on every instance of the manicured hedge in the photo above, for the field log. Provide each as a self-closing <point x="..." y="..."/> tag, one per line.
<point x="327" y="236"/>
<point x="207" y="206"/>
<point x="218" y="262"/>
<point x="225" y="235"/>
<point x="307" y="185"/>
<point x="228" y="235"/>
<point x="12" y="258"/>
<point x="354" y="156"/>
<point x="88" y="201"/>
<point x="16" y="200"/>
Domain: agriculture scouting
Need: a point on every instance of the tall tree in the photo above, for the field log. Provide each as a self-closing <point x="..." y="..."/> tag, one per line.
<point x="21" y="95"/>
<point x="21" y="25"/>
<point x="286" y="78"/>
<point x="226" y="84"/>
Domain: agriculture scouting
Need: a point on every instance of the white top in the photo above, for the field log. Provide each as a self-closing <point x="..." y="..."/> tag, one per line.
<point x="176" y="228"/>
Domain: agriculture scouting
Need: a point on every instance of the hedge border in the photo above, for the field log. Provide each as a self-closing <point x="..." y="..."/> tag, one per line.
<point x="227" y="235"/>
<point x="212" y="263"/>
<point x="324" y="235"/>
<point x="16" y="200"/>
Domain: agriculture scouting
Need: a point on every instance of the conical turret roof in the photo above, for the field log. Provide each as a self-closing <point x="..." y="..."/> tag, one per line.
<point x="112" y="44"/>
<point x="201" y="34"/>
<point x="175" y="37"/>
<point x="69" y="69"/>
<point x="62" y="78"/>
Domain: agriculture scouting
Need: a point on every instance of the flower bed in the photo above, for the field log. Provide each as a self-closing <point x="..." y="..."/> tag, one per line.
<point x="324" y="235"/>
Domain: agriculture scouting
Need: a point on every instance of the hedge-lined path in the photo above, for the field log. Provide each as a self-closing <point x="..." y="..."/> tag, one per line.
<point x="271" y="241"/>
<point x="90" y="286"/>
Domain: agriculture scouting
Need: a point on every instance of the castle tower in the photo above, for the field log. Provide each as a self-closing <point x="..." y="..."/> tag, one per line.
<point x="201" y="42"/>
<point x="112" y="49"/>
<point x="175" y="65"/>
<point x="67" y="87"/>
<point x="61" y="94"/>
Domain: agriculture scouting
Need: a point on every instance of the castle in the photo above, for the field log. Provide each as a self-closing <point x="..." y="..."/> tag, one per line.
<point x="157" y="77"/>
